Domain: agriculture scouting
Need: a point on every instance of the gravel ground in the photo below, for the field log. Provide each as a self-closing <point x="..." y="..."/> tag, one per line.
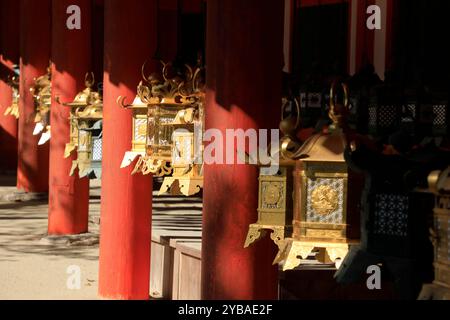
<point x="34" y="266"/>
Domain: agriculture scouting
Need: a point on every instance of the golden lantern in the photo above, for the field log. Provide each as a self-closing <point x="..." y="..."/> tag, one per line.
<point x="323" y="217"/>
<point x="13" y="109"/>
<point x="41" y="92"/>
<point x="81" y="101"/>
<point x="140" y="125"/>
<point x="89" y="142"/>
<point x="439" y="183"/>
<point x="275" y="191"/>
<point x="274" y="206"/>
<point x="174" y="126"/>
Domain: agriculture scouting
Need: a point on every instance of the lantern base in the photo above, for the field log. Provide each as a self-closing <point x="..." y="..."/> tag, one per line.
<point x="188" y="186"/>
<point x="129" y="157"/>
<point x="293" y="251"/>
<point x="434" y="291"/>
<point x="257" y="231"/>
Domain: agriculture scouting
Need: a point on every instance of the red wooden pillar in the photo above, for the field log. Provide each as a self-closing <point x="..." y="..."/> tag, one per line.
<point x="35" y="39"/>
<point x="9" y="55"/>
<point x="71" y="57"/>
<point x="130" y="40"/>
<point x="364" y="37"/>
<point x="244" y="63"/>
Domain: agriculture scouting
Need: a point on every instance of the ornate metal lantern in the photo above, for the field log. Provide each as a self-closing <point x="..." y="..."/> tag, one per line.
<point x="323" y="215"/>
<point x="384" y="110"/>
<point x="434" y="115"/>
<point x="275" y="195"/>
<point x="13" y="109"/>
<point x="89" y="143"/>
<point x="187" y="150"/>
<point x="274" y="206"/>
<point x="80" y="102"/>
<point x="439" y="183"/>
<point x="41" y="92"/>
<point x="140" y="125"/>
<point x="173" y="121"/>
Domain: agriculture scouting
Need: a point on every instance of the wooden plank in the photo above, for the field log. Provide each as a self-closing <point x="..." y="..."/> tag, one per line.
<point x="187" y="271"/>
<point x="175" y="220"/>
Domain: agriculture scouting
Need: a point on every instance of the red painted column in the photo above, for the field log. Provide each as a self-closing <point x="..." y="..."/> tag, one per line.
<point x="9" y="55"/>
<point x="364" y="36"/>
<point x="35" y="39"/>
<point x="71" y="57"/>
<point x="244" y="63"/>
<point x="130" y="39"/>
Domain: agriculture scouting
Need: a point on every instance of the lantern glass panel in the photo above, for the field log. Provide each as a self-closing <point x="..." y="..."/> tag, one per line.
<point x="183" y="148"/>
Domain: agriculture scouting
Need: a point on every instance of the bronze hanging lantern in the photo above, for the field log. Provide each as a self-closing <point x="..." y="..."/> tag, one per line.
<point x="187" y="146"/>
<point x="174" y="123"/>
<point x="275" y="191"/>
<point x="41" y="92"/>
<point x="89" y="143"/>
<point x="323" y="214"/>
<point x="13" y="109"/>
<point x="140" y="123"/>
<point x="81" y="101"/>
<point x="439" y="183"/>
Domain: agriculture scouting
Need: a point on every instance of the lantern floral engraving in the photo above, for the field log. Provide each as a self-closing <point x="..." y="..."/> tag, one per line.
<point x="169" y="110"/>
<point x="41" y="92"/>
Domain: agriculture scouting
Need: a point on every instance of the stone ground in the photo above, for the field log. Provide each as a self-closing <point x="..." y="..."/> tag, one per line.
<point x="34" y="266"/>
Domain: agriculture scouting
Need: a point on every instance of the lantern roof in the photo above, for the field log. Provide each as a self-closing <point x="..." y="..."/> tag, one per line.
<point x="181" y="89"/>
<point x="85" y="97"/>
<point x="92" y="112"/>
<point x="81" y="99"/>
<point x="323" y="147"/>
